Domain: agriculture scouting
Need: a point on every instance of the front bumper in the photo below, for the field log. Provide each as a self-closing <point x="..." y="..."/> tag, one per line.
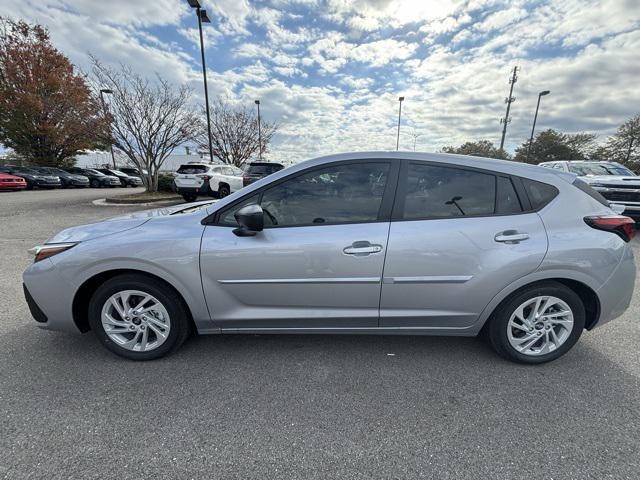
<point x="78" y="183"/>
<point x="12" y="186"/>
<point x="50" y="297"/>
<point x="47" y="183"/>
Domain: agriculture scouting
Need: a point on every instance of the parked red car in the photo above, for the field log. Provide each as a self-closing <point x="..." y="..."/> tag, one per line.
<point x="11" y="182"/>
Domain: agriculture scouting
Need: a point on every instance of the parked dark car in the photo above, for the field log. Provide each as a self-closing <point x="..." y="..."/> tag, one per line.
<point x="125" y="179"/>
<point x="67" y="179"/>
<point x="96" y="179"/>
<point x="32" y="177"/>
<point x="132" y="171"/>
<point x="257" y="170"/>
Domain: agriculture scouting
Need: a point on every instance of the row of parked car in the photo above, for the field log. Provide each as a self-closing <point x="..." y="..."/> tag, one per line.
<point x="26" y="178"/>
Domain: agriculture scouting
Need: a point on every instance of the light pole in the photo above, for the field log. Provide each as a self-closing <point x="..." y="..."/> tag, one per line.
<point x="202" y="17"/>
<point x="257" y="102"/>
<point x="535" y="118"/>
<point x="400" y="99"/>
<point x="104" y="109"/>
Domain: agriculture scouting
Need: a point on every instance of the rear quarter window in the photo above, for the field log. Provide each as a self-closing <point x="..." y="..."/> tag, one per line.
<point x="540" y="194"/>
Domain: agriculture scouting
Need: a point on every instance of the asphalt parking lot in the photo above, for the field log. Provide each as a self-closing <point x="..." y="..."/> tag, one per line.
<point x="268" y="407"/>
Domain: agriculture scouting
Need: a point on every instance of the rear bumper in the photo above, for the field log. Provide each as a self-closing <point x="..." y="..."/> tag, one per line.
<point x="201" y="190"/>
<point x="615" y="294"/>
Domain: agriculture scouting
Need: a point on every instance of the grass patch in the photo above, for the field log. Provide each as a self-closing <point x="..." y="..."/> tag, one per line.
<point x="145" y="197"/>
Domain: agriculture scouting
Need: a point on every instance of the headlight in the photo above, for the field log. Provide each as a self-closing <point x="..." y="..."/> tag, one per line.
<point x="45" y="251"/>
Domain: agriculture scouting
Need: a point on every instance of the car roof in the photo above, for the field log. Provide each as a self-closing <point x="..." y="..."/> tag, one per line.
<point x="265" y="163"/>
<point x="508" y="167"/>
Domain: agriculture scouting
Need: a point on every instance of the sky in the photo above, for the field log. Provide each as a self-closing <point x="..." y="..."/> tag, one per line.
<point x="330" y="72"/>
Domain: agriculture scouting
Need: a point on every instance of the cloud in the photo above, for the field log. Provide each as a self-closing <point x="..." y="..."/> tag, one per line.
<point x="330" y="72"/>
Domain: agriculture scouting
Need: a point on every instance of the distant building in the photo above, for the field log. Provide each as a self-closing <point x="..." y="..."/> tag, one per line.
<point x="102" y="159"/>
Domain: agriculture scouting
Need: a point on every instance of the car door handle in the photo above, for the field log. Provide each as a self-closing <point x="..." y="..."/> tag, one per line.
<point x="362" y="248"/>
<point x="511" y="236"/>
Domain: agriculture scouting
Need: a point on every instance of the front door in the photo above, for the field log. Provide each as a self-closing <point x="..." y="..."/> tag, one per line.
<point x="459" y="236"/>
<point x="317" y="263"/>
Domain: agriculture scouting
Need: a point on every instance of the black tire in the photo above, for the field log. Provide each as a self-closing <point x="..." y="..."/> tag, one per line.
<point x="170" y="299"/>
<point x="223" y="191"/>
<point x="94" y="183"/>
<point x="29" y="186"/>
<point x="498" y="326"/>
<point x="189" y="197"/>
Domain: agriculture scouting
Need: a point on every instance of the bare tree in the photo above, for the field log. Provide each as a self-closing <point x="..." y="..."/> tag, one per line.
<point x="234" y="133"/>
<point x="148" y="119"/>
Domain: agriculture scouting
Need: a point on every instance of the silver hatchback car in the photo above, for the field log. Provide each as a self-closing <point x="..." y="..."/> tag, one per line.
<point x="375" y="243"/>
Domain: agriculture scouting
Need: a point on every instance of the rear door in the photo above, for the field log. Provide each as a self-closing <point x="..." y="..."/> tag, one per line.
<point x="458" y="236"/>
<point x="233" y="177"/>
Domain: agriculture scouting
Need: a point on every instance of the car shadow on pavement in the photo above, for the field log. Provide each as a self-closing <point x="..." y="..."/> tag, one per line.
<point x="321" y="406"/>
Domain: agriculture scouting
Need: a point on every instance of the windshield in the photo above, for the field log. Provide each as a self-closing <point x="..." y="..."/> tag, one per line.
<point x="619" y="170"/>
<point x="191" y="169"/>
<point x="24" y="170"/>
<point x="263" y="169"/>
<point x="117" y="173"/>
<point x="94" y="172"/>
<point x="588" y="169"/>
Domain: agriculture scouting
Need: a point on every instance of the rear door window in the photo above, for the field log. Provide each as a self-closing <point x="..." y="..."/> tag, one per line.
<point x="446" y="192"/>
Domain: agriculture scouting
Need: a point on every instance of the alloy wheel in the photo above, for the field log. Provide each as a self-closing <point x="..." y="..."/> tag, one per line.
<point x="135" y="320"/>
<point x="540" y="325"/>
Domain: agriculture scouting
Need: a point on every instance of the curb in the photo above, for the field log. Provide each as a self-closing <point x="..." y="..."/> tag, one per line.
<point x="102" y="202"/>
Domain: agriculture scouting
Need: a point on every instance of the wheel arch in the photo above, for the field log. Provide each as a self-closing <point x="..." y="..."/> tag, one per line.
<point x="82" y="297"/>
<point x="587" y="295"/>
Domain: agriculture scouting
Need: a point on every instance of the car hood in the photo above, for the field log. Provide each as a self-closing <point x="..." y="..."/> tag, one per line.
<point x="612" y="179"/>
<point x="119" y="224"/>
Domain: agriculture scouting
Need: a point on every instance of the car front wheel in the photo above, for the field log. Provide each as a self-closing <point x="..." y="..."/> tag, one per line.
<point x="138" y="317"/>
<point x="538" y="323"/>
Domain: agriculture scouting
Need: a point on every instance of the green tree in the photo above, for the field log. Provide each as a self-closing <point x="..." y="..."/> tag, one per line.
<point x="47" y="111"/>
<point x="480" y="148"/>
<point x="623" y="146"/>
<point x="551" y="145"/>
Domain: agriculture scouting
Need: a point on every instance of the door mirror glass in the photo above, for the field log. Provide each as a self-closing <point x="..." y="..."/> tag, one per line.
<point x="251" y="221"/>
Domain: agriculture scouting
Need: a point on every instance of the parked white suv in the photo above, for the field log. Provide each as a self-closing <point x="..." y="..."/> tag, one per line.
<point x="202" y="178"/>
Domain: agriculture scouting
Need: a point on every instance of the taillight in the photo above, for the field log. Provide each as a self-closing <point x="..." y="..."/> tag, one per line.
<point x="623" y="226"/>
<point x="205" y="176"/>
<point x="245" y="180"/>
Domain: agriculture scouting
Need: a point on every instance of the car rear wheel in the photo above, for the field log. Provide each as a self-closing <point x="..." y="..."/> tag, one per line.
<point x="138" y="317"/>
<point x="189" y="197"/>
<point x="223" y="191"/>
<point x="538" y="323"/>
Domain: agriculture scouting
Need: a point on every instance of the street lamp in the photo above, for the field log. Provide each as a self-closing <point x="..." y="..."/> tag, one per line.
<point x="400" y="99"/>
<point x="203" y="18"/>
<point x="535" y="118"/>
<point x="104" y="109"/>
<point x="257" y="102"/>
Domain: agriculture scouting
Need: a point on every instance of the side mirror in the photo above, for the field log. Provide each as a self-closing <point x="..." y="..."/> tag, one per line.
<point x="251" y="221"/>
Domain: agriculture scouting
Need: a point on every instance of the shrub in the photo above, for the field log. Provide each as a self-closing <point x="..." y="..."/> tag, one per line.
<point x="165" y="183"/>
